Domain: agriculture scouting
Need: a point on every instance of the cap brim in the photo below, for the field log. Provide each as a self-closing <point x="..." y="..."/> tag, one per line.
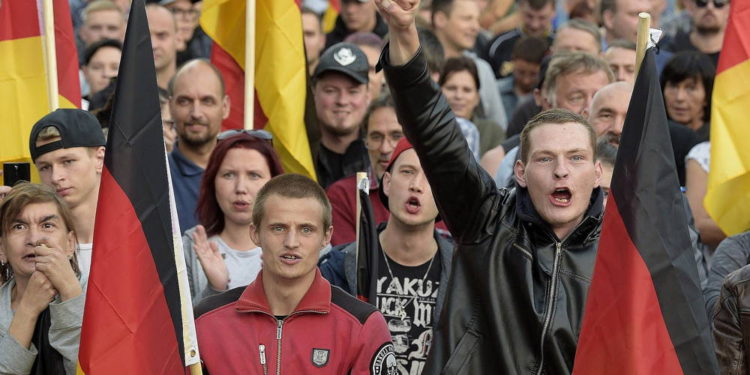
<point x="343" y="71"/>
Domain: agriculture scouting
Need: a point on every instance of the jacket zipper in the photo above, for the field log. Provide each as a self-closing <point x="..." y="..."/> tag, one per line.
<point x="279" y="328"/>
<point x="262" y="349"/>
<point x="550" y="304"/>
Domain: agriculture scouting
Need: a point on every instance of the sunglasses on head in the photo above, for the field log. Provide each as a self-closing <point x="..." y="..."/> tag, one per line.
<point x="262" y="134"/>
<point x="718" y="4"/>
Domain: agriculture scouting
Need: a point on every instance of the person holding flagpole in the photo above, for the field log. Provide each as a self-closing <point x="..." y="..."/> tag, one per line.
<point x="525" y="257"/>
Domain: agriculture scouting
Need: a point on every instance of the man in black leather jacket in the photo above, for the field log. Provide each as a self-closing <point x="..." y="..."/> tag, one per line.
<point x="525" y="257"/>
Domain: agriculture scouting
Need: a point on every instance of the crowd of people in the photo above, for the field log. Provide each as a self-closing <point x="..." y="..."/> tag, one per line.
<point x="488" y="130"/>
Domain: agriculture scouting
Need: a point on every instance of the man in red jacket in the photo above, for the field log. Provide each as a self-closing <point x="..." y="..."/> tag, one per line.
<point x="290" y="320"/>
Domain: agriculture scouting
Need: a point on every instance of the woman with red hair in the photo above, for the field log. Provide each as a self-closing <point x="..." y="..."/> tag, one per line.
<point x="219" y="253"/>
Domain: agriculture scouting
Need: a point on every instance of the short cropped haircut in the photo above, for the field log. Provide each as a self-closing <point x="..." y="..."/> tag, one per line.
<point x="555" y="116"/>
<point x="586" y="27"/>
<point x="569" y="63"/>
<point x="530" y="48"/>
<point x="537" y="4"/>
<point x="307" y="10"/>
<point x="607" y="5"/>
<point x="98" y="6"/>
<point x="188" y="65"/>
<point x="432" y="49"/>
<point x="294" y="186"/>
<point x="22" y="195"/>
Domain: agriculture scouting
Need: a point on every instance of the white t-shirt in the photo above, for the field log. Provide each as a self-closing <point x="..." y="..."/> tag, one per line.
<point x="84" y="260"/>
<point x="243" y="266"/>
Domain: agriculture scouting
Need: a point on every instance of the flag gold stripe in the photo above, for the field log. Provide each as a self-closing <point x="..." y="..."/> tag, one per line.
<point x="728" y="193"/>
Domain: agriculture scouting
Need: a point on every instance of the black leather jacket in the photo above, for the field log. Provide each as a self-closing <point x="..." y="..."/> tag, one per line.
<point x="517" y="292"/>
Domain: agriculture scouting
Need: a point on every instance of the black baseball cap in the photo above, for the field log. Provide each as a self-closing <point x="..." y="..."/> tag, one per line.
<point x="77" y="128"/>
<point x="344" y="58"/>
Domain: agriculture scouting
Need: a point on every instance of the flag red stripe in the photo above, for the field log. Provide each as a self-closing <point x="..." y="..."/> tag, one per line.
<point x="67" y="55"/>
<point x="22" y="21"/>
<point x="627" y="334"/>
<point x="234" y="78"/>
<point x="116" y="328"/>
<point x="736" y="36"/>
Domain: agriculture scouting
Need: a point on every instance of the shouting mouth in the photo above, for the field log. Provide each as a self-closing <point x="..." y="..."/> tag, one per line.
<point x="561" y="197"/>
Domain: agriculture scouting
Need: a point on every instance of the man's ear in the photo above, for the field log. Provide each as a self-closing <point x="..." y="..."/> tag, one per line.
<point x="439" y="19"/>
<point x="519" y="172"/>
<point x="608" y="18"/>
<point x="538" y="97"/>
<point x="327" y="237"/>
<point x="71" y="240"/>
<point x="99" y="155"/>
<point x="254" y="234"/>
<point x="387" y="184"/>
<point x="598" y="173"/>
<point x="226" y="106"/>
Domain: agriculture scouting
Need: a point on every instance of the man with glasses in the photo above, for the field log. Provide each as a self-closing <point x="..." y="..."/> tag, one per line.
<point x="707" y="34"/>
<point x="194" y="43"/>
<point x="198" y="104"/>
<point x="382" y="133"/>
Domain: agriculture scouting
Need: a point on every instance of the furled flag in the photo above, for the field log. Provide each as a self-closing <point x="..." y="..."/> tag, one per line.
<point x="645" y="312"/>
<point x="23" y="79"/>
<point x="280" y="72"/>
<point x="728" y="193"/>
<point x="138" y="317"/>
<point x="367" y="242"/>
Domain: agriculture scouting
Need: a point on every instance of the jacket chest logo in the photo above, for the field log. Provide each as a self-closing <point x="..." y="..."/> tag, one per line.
<point x="320" y="357"/>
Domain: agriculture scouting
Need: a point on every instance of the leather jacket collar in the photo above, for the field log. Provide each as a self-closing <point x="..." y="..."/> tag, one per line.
<point x="528" y="214"/>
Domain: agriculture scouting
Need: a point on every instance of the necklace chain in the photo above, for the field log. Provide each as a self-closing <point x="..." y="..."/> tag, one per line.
<point x="401" y="308"/>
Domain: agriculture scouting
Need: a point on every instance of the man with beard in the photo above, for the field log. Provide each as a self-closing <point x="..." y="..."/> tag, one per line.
<point x="341" y="99"/>
<point x="198" y="104"/>
<point x="707" y="34"/>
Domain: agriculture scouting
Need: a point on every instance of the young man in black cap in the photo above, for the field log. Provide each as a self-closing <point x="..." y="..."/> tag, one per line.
<point x="341" y="101"/>
<point x="414" y="262"/>
<point x="67" y="147"/>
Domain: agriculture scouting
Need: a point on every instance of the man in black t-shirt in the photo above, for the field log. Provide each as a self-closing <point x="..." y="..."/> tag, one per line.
<point x="710" y="19"/>
<point x="413" y="261"/>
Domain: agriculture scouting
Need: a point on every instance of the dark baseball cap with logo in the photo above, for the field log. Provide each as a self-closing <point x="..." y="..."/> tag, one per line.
<point x="77" y="128"/>
<point x="345" y="58"/>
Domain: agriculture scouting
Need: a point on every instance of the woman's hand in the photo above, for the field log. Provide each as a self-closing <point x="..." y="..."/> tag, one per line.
<point x="37" y="296"/>
<point x="210" y="259"/>
<point x="55" y="265"/>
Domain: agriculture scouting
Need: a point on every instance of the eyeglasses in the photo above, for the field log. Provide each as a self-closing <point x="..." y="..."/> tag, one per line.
<point x="718" y="4"/>
<point x="262" y="134"/>
<point x="185" y="13"/>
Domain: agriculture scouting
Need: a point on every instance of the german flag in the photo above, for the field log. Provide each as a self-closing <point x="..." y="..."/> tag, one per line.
<point x="138" y="316"/>
<point x="645" y="312"/>
<point x="331" y="14"/>
<point x="280" y="72"/>
<point x="728" y="194"/>
<point x="23" y="78"/>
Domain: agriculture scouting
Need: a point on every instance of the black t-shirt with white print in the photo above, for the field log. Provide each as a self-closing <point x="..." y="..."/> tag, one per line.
<point x="407" y="303"/>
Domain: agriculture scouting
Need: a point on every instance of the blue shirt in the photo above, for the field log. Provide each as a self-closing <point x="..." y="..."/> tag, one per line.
<point x="186" y="184"/>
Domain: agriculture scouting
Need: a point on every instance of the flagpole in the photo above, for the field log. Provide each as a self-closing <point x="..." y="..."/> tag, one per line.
<point x="50" y="56"/>
<point x="358" y="223"/>
<point x="249" y="64"/>
<point x="644" y="24"/>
